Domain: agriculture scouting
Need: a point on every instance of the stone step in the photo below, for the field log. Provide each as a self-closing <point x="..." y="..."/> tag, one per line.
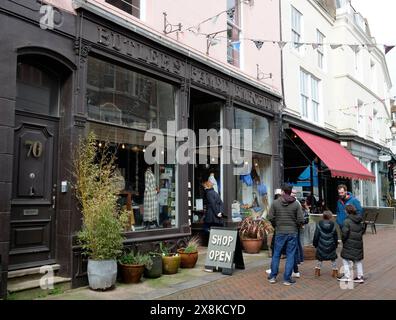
<point x="30" y="271"/>
<point x="22" y="285"/>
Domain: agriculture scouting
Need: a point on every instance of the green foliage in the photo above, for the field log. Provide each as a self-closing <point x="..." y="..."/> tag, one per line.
<point x="136" y="259"/>
<point x="101" y="235"/>
<point x="192" y="245"/>
<point x="165" y="250"/>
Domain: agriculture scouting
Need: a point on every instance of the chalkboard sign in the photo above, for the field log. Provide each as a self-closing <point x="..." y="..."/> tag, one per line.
<point x="224" y="249"/>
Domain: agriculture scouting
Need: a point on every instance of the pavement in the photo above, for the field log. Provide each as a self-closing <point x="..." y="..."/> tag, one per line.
<point x="195" y="284"/>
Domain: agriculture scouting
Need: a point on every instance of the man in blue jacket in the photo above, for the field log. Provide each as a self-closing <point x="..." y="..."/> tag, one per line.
<point x="346" y="198"/>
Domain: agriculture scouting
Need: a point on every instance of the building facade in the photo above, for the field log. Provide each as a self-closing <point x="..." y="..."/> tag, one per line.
<point x="83" y="66"/>
<point x="336" y="99"/>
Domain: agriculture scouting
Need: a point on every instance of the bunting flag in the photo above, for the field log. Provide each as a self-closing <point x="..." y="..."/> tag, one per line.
<point x="388" y="48"/>
<point x="315" y="46"/>
<point x="281" y="44"/>
<point x="214" y="19"/>
<point x="258" y="43"/>
<point x="354" y="47"/>
<point x="335" y="46"/>
<point x="298" y="44"/>
<point x="236" y="45"/>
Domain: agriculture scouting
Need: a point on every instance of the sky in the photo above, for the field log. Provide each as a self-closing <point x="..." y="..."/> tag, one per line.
<point x="380" y="15"/>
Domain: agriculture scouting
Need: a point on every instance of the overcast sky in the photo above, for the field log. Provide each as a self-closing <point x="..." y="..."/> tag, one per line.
<point x="380" y="15"/>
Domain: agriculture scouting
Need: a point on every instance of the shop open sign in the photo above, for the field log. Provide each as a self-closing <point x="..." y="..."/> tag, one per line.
<point x="224" y="249"/>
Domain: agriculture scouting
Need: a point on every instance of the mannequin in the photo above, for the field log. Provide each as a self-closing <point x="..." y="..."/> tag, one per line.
<point x="212" y="179"/>
<point x="150" y="199"/>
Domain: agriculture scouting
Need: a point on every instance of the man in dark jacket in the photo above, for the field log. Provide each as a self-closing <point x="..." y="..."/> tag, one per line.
<point x="286" y="216"/>
<point x="352" y="250"/>
<point x="326" y="241"/>
<point x="346" y="198"/>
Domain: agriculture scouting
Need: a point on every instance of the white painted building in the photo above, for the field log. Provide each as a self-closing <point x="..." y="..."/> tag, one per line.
<point x="339" y="91"/>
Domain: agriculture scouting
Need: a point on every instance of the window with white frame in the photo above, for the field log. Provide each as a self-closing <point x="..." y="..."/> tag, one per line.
<point x="309" y="96"/>
<point x="320" y="39"/>
<point x="296" y="27"/>
<point x="129" y="6"/>
<point x="233" y="32"/>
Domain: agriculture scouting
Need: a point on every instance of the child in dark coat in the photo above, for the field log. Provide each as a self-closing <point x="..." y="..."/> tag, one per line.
<point x="352" y="250"/>
<point x="326" y="241"/>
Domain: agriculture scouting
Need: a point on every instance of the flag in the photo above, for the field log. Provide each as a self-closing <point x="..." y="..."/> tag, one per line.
<point x="335" y="46"/>
<point x="298" y="44"/>
<point x="236" y="45"/>
<point x="315" y="46"/>
<point x="388" y="48"/>
<point x="282" y="44"/>
<point x="354" y="47"/>
<point x="258" y="43"/>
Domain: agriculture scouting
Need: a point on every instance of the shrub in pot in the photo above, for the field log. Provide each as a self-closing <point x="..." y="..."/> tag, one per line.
<point x="156" y="269"/>
<point x="252" y="232"/>
<point x="189" y="254"/>
<point x="170" y="260"/>
<point x="132" y="266"/>
<point x="101" y="235"/>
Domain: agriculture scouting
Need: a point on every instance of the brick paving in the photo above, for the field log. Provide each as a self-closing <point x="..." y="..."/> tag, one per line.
<point x="379" y="268"/>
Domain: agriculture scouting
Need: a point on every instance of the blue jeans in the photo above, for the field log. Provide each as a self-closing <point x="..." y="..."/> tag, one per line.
<point x="290" y="242"/>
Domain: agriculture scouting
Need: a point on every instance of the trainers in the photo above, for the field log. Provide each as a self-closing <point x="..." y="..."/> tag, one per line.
<point x="296" y="275"/>
<point x="208" y="270"/>
<point x="358" y="280"/>
<point x="272" y="280"/>
<point x="289" y="283"/>
<point x="268" y="271"/>
<point x="343" y="278"/>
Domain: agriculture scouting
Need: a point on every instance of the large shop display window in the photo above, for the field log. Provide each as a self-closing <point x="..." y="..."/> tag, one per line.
<point x="254" y="184"/>
<point x="122" y="105"/>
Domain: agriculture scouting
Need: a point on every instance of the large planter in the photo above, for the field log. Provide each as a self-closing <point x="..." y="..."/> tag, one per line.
<point x="131" y="273"/>
<point x="156" y="268"/>
<point x="252" y="245"/>
<point x="188" y="260"/>
<point x="170" y="264"/>
<point x="102" y="274"/>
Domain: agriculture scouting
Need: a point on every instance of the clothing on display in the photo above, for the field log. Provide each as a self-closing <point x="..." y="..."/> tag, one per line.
<point x="150" y="197"/>
<point x="212" y="179"/>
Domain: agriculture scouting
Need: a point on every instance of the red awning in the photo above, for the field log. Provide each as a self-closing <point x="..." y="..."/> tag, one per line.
<point x="339" y="160"/>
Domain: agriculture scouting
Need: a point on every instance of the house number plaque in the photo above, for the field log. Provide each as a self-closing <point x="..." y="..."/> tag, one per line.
<point x="35" y="148"/>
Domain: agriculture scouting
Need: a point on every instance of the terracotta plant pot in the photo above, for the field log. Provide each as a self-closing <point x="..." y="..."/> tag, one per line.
<point x="156" y="268"/>
<point x="170" y="264"/>
<point x="252" y="245"/>
<point x="188" y="260"/>
<point x="131" y="273"/>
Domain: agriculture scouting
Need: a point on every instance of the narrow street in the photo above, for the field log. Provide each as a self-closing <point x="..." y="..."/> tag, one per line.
<point x="379" y="267"/>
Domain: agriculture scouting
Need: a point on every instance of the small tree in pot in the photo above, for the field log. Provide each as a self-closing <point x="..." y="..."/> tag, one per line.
<point x="252" y="232"/>
<point x="101" y="234"/>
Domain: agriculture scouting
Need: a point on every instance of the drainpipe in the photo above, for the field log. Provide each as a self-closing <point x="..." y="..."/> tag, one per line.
<point x="281" y="150"/>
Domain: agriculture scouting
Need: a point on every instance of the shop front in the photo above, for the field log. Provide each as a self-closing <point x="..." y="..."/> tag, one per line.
<point x="92" y="74"/>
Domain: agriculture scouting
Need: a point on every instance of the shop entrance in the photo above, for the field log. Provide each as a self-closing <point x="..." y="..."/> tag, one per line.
<point x="33" y="204"/>
<point x="205" y="113"/>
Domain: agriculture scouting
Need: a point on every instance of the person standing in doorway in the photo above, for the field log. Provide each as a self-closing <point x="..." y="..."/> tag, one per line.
<point x="346" y="198"/>
<point x="286" y="216"/>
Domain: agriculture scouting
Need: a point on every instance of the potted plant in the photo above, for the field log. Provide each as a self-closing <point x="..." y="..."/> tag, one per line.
<point x="252" y="232"/>
<point x="156" y="269"/>
<point x="170" y="261"/>
<point x="132" y="266"/>
<point x="189" y="254"/>
<point x="101" y="235"/>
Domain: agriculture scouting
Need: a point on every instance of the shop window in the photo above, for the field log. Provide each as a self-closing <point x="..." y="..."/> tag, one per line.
<point x="129" y="6"/>
<point x="254" y="189"/>
<point x="37" y="90"/>
<point x="150" y="196"/>
<point x="124" y="97"/>
<point x="261" y="135"/>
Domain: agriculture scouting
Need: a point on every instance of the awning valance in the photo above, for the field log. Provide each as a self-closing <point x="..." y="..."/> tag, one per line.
<point x="340" y="161"/>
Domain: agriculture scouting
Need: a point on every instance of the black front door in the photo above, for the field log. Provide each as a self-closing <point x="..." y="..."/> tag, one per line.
<point x="34" y="191"/>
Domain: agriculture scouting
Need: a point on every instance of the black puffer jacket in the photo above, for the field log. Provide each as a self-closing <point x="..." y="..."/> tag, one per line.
<point x="325" y="240"/>
<point x="352" y="238"/>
